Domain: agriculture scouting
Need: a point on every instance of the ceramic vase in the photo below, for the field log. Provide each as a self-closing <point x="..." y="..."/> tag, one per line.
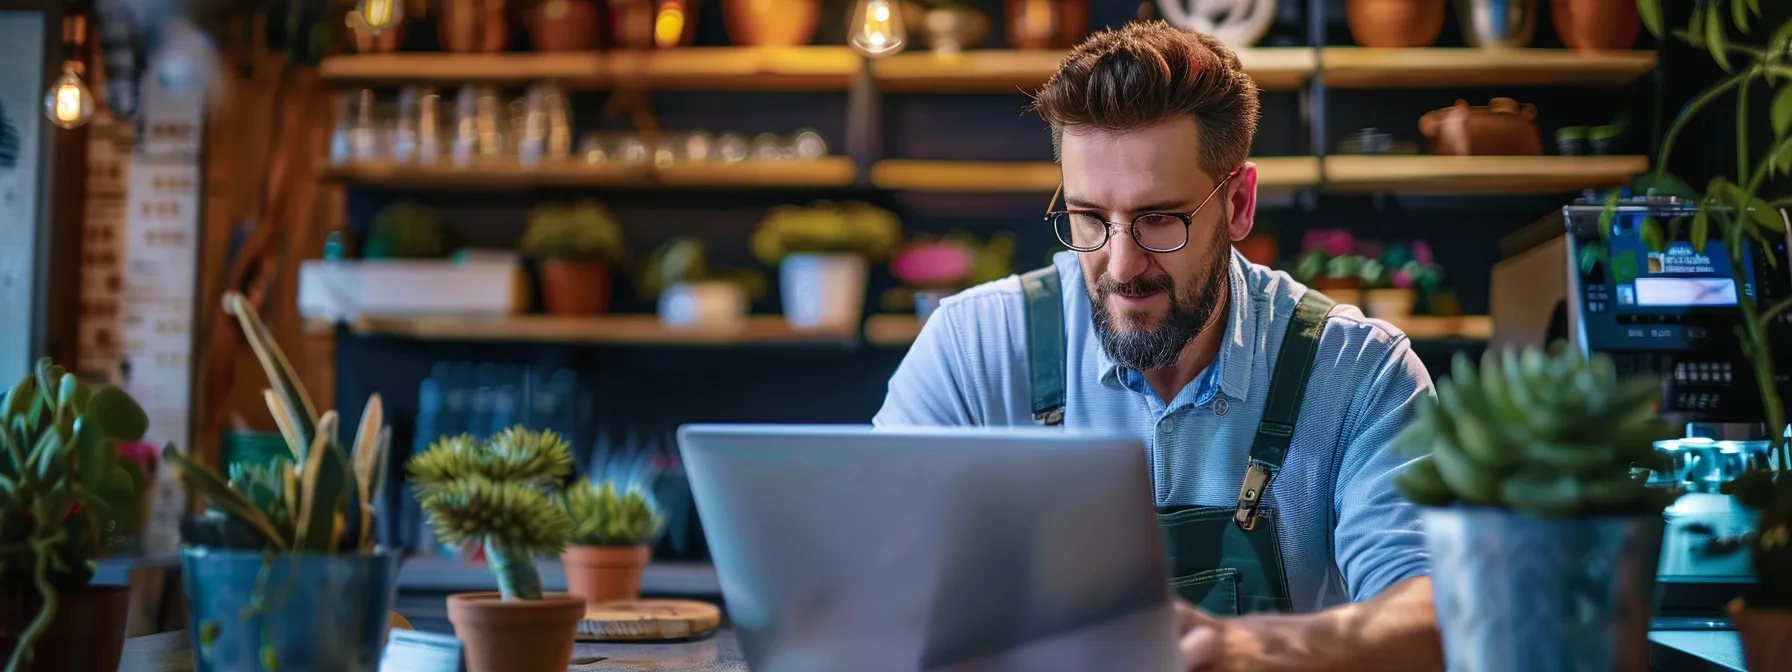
<point x="1395" y="23"/>
<point x="708" y="304"/>
<point x="1389" y="303"/>
<point x="1595" y="25"/>
<point x="476" y="26"/>
<point x="565" y="25"/>
<point x="572" y="287"/>
<point x="517" y="635"/>
<point x="86" y="635"/>
<point x="252" y="611"/>
<point x="823" y="291"/>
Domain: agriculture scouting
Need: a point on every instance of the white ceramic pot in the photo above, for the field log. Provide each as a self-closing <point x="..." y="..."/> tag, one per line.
<point x="703" y="304"/>
<point x="823" y="291"/>
<point x="1389" y="304"/>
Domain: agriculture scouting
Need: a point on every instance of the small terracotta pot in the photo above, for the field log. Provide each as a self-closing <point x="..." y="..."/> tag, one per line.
<point x="1766" y="636"/>
<point x="1389" y="303"/>
<point x="1595" y="25"/>
<point x="571" y="287"/>
<point x="516" y="636"/>
<point x="605" y="573"/>
<point x="565" y="25"/>
<point x="1046" y="24"/>
<point x="87" y="634"/>
<point x="1347" y="291"/>
<point x="478" y="26"/>
<point x="770" y="23"/>
<point x="1395" y="23"/>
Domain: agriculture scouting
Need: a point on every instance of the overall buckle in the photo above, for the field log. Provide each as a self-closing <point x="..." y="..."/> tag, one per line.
<point x="1256" y="480"/>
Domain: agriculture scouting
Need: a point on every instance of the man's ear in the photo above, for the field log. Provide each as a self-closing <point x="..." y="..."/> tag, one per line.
<point x="1241" y="202"/>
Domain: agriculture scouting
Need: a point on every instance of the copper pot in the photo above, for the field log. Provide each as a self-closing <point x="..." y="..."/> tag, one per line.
<point x="1395" y="23"/>
<point x="565" y="25"/>
<point x="1502" y="128"/>
<point x="1046" y="24"/>
<point x="646" y="24"/>
<point x="1595" y="25"/>
<point x="770" y="23"/>
<point x="474" y="25"/>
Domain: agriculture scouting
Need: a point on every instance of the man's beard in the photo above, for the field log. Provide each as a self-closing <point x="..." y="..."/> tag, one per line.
<point x="1133" y="346"/>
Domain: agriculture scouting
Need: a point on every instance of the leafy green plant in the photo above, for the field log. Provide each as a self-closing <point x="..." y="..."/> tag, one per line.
<point x="497" y="494"/>
<point x="1547" y="434"/>
<point x="602" y="515"/>
<point x="584" y="231"/>
<point x="319" y="501"/>
<point x="827" y="227"/>
<point x="405" y="230"/>
<point x="60" y="478"/>
<point x="686" y="259"/>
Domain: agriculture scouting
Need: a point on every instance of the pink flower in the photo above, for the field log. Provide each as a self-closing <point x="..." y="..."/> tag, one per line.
<point x="1402" y="279"/>
<point x="1421" y="252"/>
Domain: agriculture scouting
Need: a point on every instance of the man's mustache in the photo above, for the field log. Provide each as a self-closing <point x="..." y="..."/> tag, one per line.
<point x="1135" y="287"/>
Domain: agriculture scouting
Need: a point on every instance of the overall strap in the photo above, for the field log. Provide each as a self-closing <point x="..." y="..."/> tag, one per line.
<point x="1044" y="310"/>
<point x="1281" y="409"/>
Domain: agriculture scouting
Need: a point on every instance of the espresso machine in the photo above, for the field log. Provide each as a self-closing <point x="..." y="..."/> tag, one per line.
<point x="1670" y="313"/>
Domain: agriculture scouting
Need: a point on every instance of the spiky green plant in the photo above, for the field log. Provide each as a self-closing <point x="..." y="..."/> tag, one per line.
<point x="603" y="515"/>
<point x="60" y="478"/>
<point x="585" y="231"/>
<point x="496" y="494"/>
<point x="1551" y="435"/>
<point x="319" y="501"/>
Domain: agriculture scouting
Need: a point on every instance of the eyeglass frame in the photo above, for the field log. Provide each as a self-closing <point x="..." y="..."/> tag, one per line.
<point x="1132" y="228"/>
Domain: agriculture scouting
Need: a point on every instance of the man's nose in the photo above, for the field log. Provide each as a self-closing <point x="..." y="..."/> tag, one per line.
<point x="1126" y="259"/>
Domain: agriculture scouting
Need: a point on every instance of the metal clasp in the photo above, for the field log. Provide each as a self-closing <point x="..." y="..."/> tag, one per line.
<point x="1256" y="479"/>
<point x="1051" y="418"/>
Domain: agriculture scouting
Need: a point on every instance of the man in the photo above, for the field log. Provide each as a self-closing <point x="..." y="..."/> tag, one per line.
<point x="1153" y="324"/>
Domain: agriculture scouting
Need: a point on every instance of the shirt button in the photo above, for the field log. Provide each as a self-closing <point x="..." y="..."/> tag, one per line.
<point x="1220" y="406"/>
<point x="1166" y="426"/>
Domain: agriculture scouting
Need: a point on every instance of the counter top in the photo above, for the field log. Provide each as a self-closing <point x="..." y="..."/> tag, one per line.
<point x="170" y="652"/>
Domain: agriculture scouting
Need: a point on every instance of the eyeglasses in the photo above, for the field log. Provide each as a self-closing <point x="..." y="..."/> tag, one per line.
<point x="1154" y="231"/>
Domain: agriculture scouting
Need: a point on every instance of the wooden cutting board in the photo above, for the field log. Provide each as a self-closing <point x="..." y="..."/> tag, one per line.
<point x="648" y="621"/>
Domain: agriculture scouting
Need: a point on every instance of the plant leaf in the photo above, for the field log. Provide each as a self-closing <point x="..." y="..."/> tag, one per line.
<point x="280" y="373"/>
<point x="1701" y="231"/>
<point x="367" y="445"/>
<point x="1605" y="216"/>
<point x="219" y="493"/>
<point x="1695" y="28"/>
<point x="1755" y="6"/>
<point x="321" y="489"/>
<point x="1739" y="15"/>
<point x="117" y="415"/>
<point x="90" y="453"/>
<point x="1715" y="40"/>
<point x="288" y="430"/>
<point x="1782" y="111"/>
<point x="1651" y="234"/>
<point x="1773" y="260"/>
<point x="1650" y="10"/>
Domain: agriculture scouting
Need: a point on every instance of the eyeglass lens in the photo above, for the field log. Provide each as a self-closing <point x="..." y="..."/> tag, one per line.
<point x="1155" y="232"/>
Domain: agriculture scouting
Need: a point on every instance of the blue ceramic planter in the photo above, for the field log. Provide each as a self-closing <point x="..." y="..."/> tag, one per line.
<point x="316" y="612"/>
<point x="1516" y="592"/>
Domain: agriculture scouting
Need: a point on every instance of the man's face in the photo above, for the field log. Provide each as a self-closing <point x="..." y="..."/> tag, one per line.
<point x="1148" y="305"/>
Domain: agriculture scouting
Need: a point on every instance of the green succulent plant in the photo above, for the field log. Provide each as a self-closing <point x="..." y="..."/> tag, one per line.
<point x="827" y="227"/>
<point x="1552" y="435"/>
<point x="497" y="494"/>
<point x="584" y="231"/>
<point x="602" y="515"/>
<point x="405" y="230"/>
<point x="61" y="477"/>
<point x="318" y="501"/>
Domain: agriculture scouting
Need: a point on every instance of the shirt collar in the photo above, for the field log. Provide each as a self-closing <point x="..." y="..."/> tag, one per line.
<point x="1232" y="367"/>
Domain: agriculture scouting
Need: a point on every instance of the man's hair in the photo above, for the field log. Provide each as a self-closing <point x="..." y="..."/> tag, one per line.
<point x="1146" y="73"/>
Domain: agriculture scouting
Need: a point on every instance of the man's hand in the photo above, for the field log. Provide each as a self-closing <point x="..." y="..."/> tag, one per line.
<point x="1395" y="631"/>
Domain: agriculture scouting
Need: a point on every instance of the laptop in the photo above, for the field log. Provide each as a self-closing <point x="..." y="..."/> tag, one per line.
<point x="954" y="550"/>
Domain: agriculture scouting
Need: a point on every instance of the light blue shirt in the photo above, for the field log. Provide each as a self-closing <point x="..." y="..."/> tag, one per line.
<point x="1345" y="534"/>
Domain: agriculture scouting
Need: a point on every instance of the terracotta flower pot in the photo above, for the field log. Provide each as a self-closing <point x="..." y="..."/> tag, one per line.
<point x="516" y="636"/>
<point x="1347" y="291"/>
<point x="1395" y="23"/>
<point x="1389" y="303"/>
<point x="571" y="287"/>
<point x="1766" y="636"/>
<point x="770" y="23"/>
<point x="1046" y="24"/>
<point x="481" y="26"/>
<point x="565" y="25"/>
<point x="1595" y="25"/>
<point x="605" y="573"/>
<point x="87" y="634"/>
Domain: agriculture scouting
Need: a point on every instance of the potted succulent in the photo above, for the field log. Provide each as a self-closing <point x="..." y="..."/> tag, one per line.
<point x="579" y="246"/>
<point x="612" y="540"/>
<point x="1735" y="210"/>
<point x="405" y="230"/>
<point x="1544" y="544"/>
<point x="496" y="495"/>
<point x="822" y="252"/>
<point x="1331" y="262"/>
<point x="281" y="571"/>
<point x="63" y="481"/>
<point x="1398" y="278"/>
<point x="689" y="293"/>
<point x="934" y="267"/>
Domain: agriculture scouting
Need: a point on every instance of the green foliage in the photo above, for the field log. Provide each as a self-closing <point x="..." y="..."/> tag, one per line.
<point x="496" y="493"/>
<point x="1551" y="435"/>
<point x="405" y="230"/>
<point x="827" y="227"/>
<point x="319" y="501"/>
<point x="603" y="516"/>
<point x="585" y="231"/>
<point x="60" y="480"/>
<point x="686" y="259"/>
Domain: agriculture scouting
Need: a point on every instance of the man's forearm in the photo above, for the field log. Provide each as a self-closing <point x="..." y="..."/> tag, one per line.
<point x="1395" y="631"/>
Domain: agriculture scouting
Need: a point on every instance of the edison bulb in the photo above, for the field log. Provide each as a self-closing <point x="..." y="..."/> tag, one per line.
<point x="381" y="14"/>
<point x="69" y="103"/>
<point x="876" y="28"/>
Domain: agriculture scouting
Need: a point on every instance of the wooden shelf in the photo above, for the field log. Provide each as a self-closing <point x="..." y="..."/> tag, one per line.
<point x="700" y="68"/>
<point x="1007" y="71"/>
<point x="1474" y="175"/>
<point x="605" y="329"/>
<point x="901" y="330"/>
<point x="1042" y="176"/>
<point x="507" y="174"/>
<point x="1364" y="68"/>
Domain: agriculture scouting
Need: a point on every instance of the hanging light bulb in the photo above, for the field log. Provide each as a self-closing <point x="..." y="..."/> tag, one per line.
<point x="378" y="15"/>
<point x="69" y="103"/>
<point x="876" y="28"/>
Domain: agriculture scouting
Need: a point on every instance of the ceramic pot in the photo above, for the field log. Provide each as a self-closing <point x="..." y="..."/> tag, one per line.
<point x="947" y="30"/>
<point x="572" y="287"/>
<point x="479" y="26"/>
<point x="1395" y="23"/>
<point x="1766" y="636"/>
<point x="331" y="613"/>
<point x="1502" y="128"/>
<point x="1517" y="592"/>
<point x="825" y="291"/>
<point x="516" y="636"/>
<point x="1347" y="291"/>
<point x="86" y="635"/>
<point x="770" y="23"/>
<point x="1046" y="24"/>
<point x="1389" y="303"/>
<point x="565" y="25"/>
<point x="928" y="300"/>
<point x="1497" y="23"/>
<point x="605" y="573"/>
<point x="1595" y="25"/>
<point x="708" y="304"/>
